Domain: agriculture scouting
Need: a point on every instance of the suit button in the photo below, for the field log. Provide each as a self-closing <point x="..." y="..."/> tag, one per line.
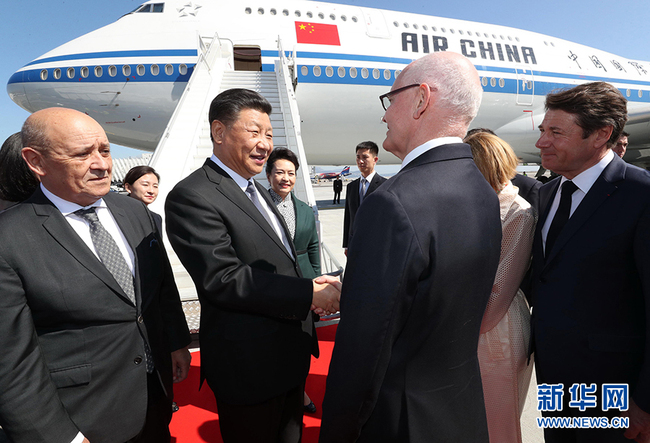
<point x="137" y="360"/>
<point x="140" y="319"/>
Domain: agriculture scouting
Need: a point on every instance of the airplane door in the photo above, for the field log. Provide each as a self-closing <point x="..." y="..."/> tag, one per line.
<point x="248" y="58"/>
<point x="375" y="23"/>
<point x="525" y="87"/>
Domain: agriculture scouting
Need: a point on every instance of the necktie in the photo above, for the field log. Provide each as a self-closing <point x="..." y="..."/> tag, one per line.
<point x="362" y="189"/>
<point x="251" y="191"/>
<point x="561" y="216"/>
<point x="111" y="256"/>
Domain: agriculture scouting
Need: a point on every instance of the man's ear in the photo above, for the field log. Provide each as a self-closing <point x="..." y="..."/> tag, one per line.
<point x="217" y="129"/>
<point x="423" y="97"/>
<point x="602" y="136"/>
<point x="34" y="160"/>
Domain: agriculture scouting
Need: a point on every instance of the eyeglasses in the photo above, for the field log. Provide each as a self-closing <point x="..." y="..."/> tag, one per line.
<point x="385" y="98"/>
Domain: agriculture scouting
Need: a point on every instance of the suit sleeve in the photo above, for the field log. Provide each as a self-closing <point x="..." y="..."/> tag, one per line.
<point x="347" y="216"/>
<point x="313" y="248"/>
<point x="378" y="292"/>
<point x="199" y="235"/>
<point x="30" y="409"/>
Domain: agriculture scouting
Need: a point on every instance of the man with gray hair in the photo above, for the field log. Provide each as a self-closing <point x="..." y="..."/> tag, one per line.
<point x="420" y="269"/>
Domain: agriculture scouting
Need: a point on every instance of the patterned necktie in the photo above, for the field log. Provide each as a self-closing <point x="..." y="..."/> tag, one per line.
<point x="362" y="189"/>
<point x="251" y="191"/>
<point x="561" y="216"/>
<point x="111" y="256"/>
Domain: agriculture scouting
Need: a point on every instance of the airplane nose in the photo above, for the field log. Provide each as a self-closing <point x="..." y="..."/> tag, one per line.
<point x="16" y="90"/>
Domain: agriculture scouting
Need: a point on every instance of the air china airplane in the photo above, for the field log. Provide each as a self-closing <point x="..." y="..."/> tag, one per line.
<point x="130" y="74"/>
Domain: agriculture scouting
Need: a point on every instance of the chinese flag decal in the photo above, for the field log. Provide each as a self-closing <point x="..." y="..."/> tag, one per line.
<point x="317" y="34"/>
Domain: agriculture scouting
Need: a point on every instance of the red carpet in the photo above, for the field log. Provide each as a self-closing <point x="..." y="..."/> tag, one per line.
<point x="198" y="421"/>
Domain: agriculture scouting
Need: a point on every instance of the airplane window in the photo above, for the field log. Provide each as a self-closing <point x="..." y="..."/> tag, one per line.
<point x="285" y="12"/>
<point x="140" y="70"/>
<point x="297" y="13"/>
<point x="158" y="7"/>
<point x="434" y="29"/>
<point x="375" y="74"/>
<point x="552" y="44"/>
<point x="309" y="14"/>
<point x="332" y="16"/>
<point x="317" y="71"/>
<point x="260" y="11"/>
<point x="406" y="25"/>
<point x="248" y="10"/>
<point x="273" y="11"/>
<point x="57" y="73"/>
<point x="99" y="71"/>
<point x="415" y="26"/>
<point x="494" y="36"/>
<point x="628" y="93"/>
<point x="486" y="35"/>
<point x="640" y="93"/>
<point x="364" y="73"/>
<point x="509" y="38"/>
<point x="304" y="70"/>
<point x="396" y="24"/>
<point x="341" y="71"/>
<point x="387" y="74"/>
<point x="530" y="84"/>
<point x="154" y="69"/>
<point x="502" y="83"/>
<point x="112" y="71"/>
<point x="460" y="31"/>
<point x="344" y="18"/>
<point x="397" y="73"/>
<point x="169" y="69"/>
<point x="443" y="29"/>
<point x="354" y="18"/>
<point x="353" y="72"/>
<point x="70" y="73"/>
<point x="44" y="74"/>
<point x="126" y="70"/>
<point x="425" y="27"/>
<point x="182" y="69"/>
<point x="469" y="33"/>
<point x="84" y="72"/>
<point x="493" y="82"/>
<point x="517" y="38"/>
<point x="145" y="8"/>
<point x="329" y="71"/>
<point x="484" y="81"/>
<point x="321" y="15"/>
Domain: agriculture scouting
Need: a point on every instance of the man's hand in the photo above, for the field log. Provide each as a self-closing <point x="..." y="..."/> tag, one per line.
<point x="181" y="359"/>
<point x="639" y="429"/>
<point x="327" y="295"/>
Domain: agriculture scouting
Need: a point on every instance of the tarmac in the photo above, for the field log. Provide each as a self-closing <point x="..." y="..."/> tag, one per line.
<point x="331" y="221"/>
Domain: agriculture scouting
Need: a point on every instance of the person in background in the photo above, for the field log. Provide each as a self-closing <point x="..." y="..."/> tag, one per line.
<point x="17" y="181"/>
<point x="281" y="168"/>
<point x="621" y="145"/>
<point x="505" y="329"/>
<point x="338" y="187"/>
<point x="141" y="182"/>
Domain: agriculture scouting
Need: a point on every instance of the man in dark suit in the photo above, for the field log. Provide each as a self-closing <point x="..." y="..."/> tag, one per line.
<point x="91" y="325"/>
<point x="338" y="187"/>
<point x="367" y="157"/>
<point x="591" y="263"/>
<point x="257" y="331"/>
<point x="420" y="269"/>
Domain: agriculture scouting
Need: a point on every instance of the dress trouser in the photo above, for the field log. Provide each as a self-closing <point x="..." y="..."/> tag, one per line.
<point x="159" y="414"/>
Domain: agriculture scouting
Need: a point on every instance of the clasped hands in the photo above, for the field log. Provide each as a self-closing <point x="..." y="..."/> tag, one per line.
<point x="327" y="295"/>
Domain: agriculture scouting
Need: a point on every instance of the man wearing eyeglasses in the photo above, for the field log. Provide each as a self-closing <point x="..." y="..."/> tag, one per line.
<point x="419" y="274"/>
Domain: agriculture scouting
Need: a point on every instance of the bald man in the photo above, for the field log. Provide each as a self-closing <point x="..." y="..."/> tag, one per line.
<point x="404" y="366"/>
<point x="91" y="327"/>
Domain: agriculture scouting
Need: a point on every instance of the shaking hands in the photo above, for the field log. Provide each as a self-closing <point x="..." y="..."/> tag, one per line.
<point x="327" y="295"/>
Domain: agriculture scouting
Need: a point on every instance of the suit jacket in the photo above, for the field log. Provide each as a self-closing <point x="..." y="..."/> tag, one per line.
<point x="306" y="239"/>
<point x="591" y="294"/>
<point x="528" y="189"/>
<point x="72" y="342"/>
<point x="404" y="366"/>
<point x="256" y="327"/>
<point x="338" y="185"/>
<point x="352" y="204"/>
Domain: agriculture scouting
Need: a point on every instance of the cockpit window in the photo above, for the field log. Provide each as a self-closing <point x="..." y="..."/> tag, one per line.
<point x="149" y="7"/>
<point x="158" y="7"/>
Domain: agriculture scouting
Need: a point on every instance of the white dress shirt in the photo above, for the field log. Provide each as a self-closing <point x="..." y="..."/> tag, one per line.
<point x="584" y="181"/>
<point x="243" y="184"/>
<point x="427" y="146"/>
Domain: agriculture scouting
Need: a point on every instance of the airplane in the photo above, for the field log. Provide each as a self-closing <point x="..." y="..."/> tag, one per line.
<point x="130" y="75"/>
<point x="333" y="175"/>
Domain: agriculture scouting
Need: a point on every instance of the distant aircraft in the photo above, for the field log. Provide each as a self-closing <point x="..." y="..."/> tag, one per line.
<point x="130" y="74"/>
<point x="333" y="175"/>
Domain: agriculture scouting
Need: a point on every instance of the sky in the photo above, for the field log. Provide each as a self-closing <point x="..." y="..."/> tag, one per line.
<point x="32" y="27"/>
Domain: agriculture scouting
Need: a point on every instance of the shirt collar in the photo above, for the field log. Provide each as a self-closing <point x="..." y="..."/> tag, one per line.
<point x="277" y="199"/>
<point x="427" y="146"/>
<point x="67" y="207"/>
<point x="370" y="176"/>
<point x="586" y="179"/>
<point x="241" y="181"/>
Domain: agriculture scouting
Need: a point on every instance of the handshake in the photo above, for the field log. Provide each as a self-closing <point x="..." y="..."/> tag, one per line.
<point x="327" y="295"/>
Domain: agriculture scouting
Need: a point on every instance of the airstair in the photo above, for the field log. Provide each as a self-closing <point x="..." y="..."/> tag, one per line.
<point x="186" y="143"/>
